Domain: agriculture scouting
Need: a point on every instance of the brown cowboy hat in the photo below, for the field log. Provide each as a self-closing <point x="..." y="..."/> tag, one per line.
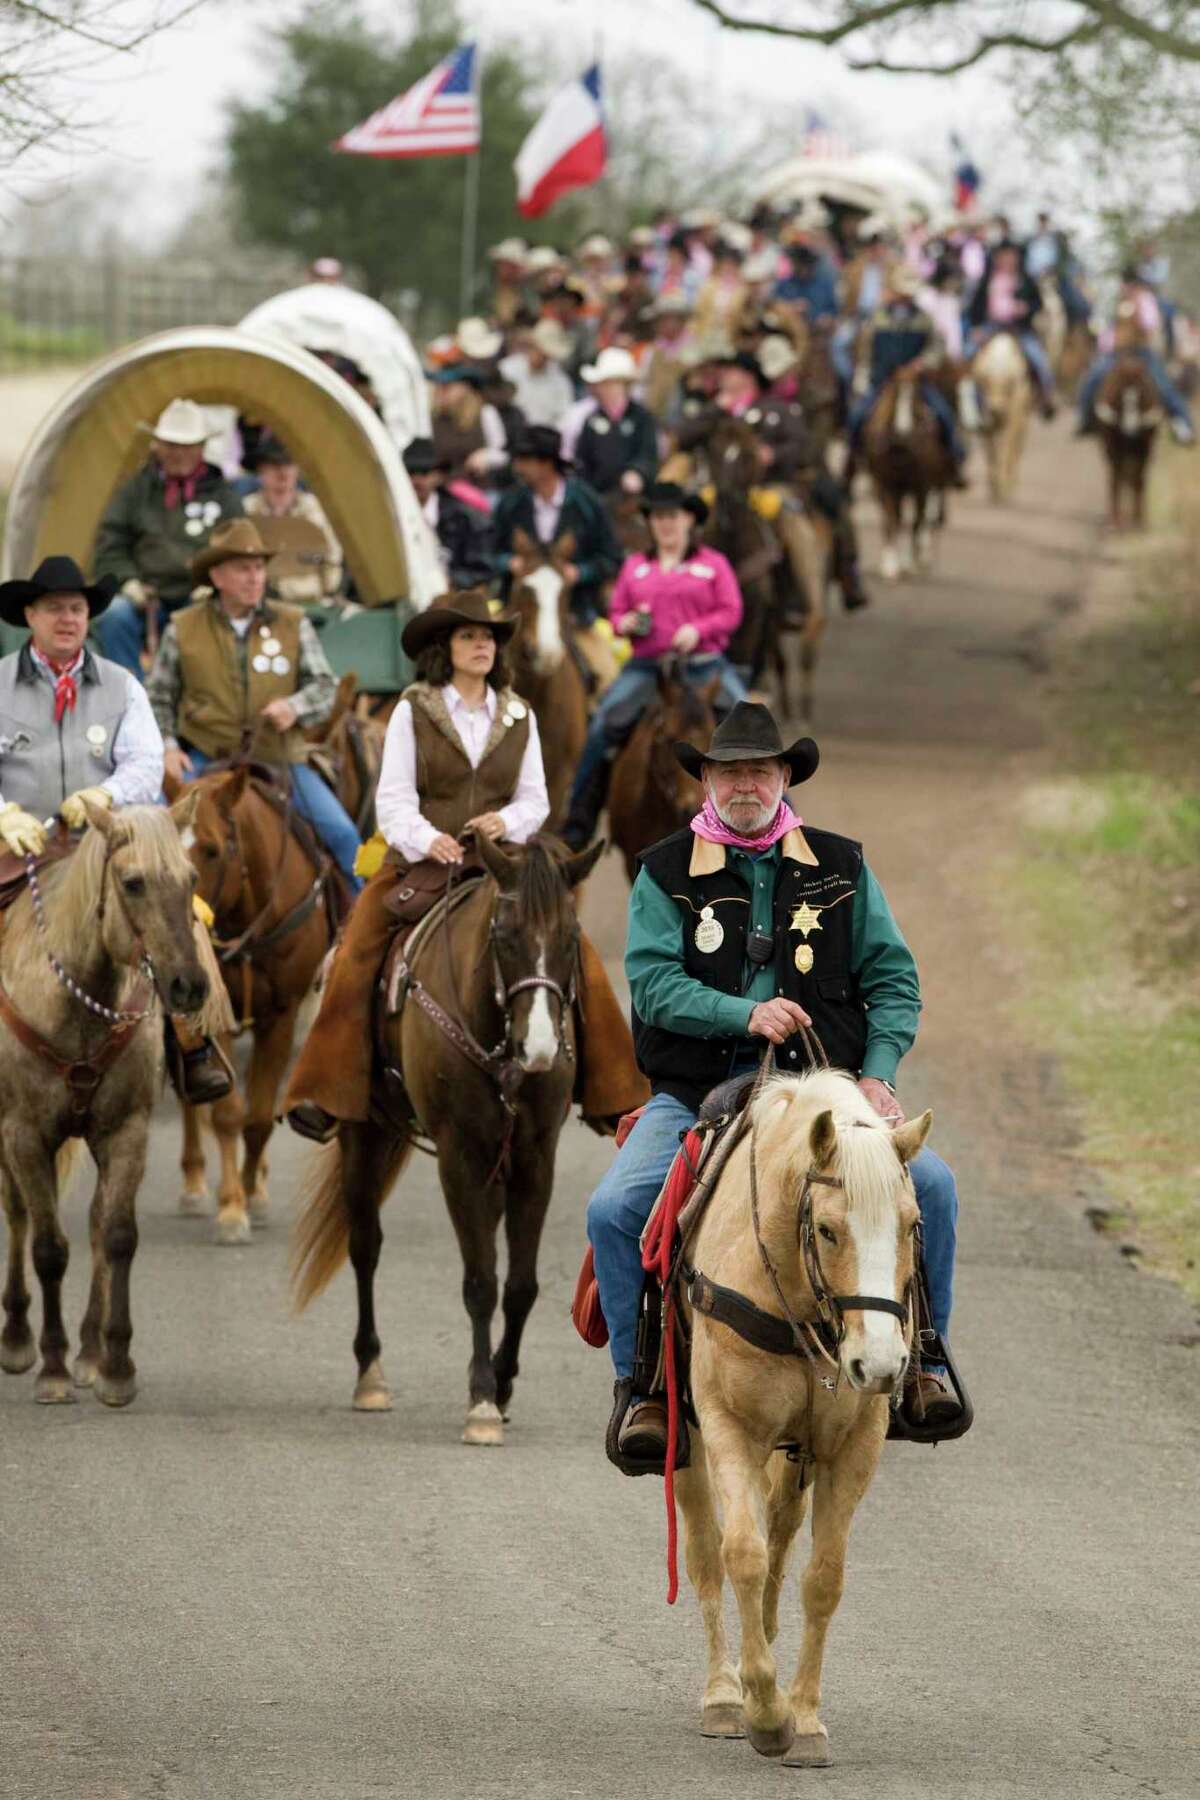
<point x="469" y="606"/>
<point x="747" y="735"/>
<point x="236" y="537"/>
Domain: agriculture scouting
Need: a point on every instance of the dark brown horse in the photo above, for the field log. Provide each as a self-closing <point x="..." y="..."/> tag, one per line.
<point x="269" y="886"/>
<point x="818" y="385"/>
<point x="650" y="794"/>
<point x="909" y="466"/>
<point x="742" y="536"/>
<point x="486" y="1046"/>
<point x="545" y="662"/>
<point x="347" y="753"/>
<point x="1128" y="414"/>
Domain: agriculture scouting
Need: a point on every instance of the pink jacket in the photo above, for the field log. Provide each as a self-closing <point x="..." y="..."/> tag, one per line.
<point x="702" y="591"/>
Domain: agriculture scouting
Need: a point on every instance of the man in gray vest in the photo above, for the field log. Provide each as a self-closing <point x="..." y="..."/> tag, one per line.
<point x="76" y="729"/>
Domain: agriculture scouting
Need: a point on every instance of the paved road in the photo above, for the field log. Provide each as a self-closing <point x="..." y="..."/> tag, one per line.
<point x="239" y="1590"/>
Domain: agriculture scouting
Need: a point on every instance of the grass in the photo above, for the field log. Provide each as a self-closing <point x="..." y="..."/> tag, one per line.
<point x="1107" y="887"/>
<point x="24" y="346"/>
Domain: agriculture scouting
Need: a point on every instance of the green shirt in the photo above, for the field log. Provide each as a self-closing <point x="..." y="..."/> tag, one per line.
<point x="666" y="995"/>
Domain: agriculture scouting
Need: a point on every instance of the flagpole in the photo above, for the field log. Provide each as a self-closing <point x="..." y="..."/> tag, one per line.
<point x="470" y="218"/>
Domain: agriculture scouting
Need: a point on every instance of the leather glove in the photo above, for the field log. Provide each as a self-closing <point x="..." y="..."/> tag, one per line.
<point x="73" y="811"/>
<point x="20" y="832"/>
<point x="138" y="592"/>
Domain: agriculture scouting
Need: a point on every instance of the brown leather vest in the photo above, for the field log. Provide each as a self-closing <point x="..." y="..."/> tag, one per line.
<point x="451" y="790"/>
<point x="455" y="442"/>
<point x="226" y="681"/>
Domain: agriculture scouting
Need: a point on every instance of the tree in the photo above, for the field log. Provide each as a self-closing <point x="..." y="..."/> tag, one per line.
<point x="396" y="223"/>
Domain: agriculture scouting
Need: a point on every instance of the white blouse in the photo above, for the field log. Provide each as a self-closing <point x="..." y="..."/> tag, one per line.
<point x="397" y="803"/>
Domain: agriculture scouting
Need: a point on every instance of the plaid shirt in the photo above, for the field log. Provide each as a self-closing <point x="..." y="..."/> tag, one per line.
<point x="316" y="683"/>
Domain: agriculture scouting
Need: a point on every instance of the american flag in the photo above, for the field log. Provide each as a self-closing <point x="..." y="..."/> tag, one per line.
<point x="820" y="139"/>
<point x="437" y="117"/>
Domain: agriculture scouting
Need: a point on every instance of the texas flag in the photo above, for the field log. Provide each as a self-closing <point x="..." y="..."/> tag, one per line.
<point x="566" y="148"/>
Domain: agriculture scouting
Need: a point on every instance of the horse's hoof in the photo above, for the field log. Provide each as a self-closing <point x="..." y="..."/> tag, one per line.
<point x="193" y="1206"/>
<point x="231" y="1228"/>
<point x="484" y="1425"/>
<point x="260" y="1212"/>
<point x="113" y="1392"/>
<point x="16" y="1359"/>
<point x="372" y="1393"/>
<point x="771" y="1740"/>
<point x="54" y="1390"/>
<point x="84" y="1372"/>
<point x="809" y="1752"/>
<point x="723" y="1719"/>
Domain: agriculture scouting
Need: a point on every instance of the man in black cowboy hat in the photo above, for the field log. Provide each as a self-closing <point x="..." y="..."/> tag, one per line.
<point x="77" y="731"/>
<point x="463" y="532"/>
<point x="743" y="928"/>
<point x="548" y="504"/>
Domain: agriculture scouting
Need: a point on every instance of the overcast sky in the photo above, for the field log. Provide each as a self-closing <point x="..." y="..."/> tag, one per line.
<point x="163" y="107"/>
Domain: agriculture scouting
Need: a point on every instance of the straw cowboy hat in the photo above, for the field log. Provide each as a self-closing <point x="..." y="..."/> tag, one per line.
<point x="776" y="355"/>
<point x="671" y="305"/>
<point x="469" y="606"/>
<point x="762" y="266"/>
<point x="477" y="341"/>
<point x="509" y="250"/>
<point x="180" y="422"/>
<point x="596" y="245"/>
<point x="750" y="734"/>
<point x="54" y="575"/>
<point x="550" y="338"/>
<point x="236" y="537"/>
<point x="542" y="258"/>
<point x="612" y="364"/>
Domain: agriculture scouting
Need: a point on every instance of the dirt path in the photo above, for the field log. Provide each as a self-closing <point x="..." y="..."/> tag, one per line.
<point x="24" y="402"/>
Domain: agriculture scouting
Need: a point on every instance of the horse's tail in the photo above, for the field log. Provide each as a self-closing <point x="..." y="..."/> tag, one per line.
<point x="321" y="1239"/>
<point x="66" y="1164"/>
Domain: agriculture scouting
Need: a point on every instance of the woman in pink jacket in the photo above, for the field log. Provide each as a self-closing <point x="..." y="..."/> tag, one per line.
<point x="682" y="600"/>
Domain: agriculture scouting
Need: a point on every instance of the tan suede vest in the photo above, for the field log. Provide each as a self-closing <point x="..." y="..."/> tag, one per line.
<point x="451" y="790"/>
<point x="227" y="681"/>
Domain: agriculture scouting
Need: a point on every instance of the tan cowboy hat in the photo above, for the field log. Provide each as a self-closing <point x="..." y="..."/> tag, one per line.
<point x="551" y="340"/>
<point x="544" y="257"/>
<point x="596" y="245"/>
<point x="468" y="606"/>
<point x="236" y="537"/>
<point x="180" y="422"/>
<point x="477" y="340"/>
<point x="510" y="250"/>
<point x="667" y="305"/>
<point x="775" y="356"/>
<point x="613" y="364"/>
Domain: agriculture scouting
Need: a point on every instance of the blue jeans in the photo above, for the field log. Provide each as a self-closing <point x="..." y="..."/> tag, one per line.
<point x="323" y="810"/>
<point x="620" y="1206"/>
<point x="622" y="705"/>
<point x="120" y="632"/>
<point x="862" y="408"/>
<point x="1169" y="394"/>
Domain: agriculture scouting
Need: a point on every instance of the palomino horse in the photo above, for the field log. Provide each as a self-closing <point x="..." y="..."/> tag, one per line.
<point x="1128" y="414"/>
<point x="1005" y="388"/>
<point x="545" y="665"/>
<point x="275" y="919"/>
<point x="498" y="969"/>
<point x="813" y="1217"/>
<point x="87" y="951"/>
<point x="909" y="465"/>
<point x="651" y="794"/>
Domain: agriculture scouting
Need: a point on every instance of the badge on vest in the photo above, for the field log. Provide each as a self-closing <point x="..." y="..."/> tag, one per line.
<point x="516" y="709"/>
<point x="710" y="933"/>
<point x="260" y="664"/>
<point x="280" y="665"/>
<point x="805" y="918"/>
<point x="271" y="645"/>
<point x="97" y="738"/>
<point x="804" y="958"/>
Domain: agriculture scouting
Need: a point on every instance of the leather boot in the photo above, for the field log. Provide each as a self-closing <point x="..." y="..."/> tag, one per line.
<point x="586" y="807"/>
<point x="311" y="1121"/>
<point x="199" y="1070"/>
<point x="929" y="1398"/>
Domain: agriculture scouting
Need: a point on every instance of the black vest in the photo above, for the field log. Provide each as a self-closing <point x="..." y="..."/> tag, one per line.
<point x="814" y="911"/>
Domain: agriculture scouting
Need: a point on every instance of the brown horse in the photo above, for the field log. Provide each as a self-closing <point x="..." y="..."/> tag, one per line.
<point x="497" y="970"/>
<point x="88" y="953"/>
<point x="347" y="753"/>
<point x="651" y="794"/>
<point x="269" y="887"/>
<point x="909" y="465"/>
<point x="1129" y="412"/>
<point x="818" y="385"/>
<point x="545" y="663"/>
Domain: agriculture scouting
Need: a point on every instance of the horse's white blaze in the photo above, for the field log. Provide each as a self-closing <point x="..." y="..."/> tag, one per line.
<point x="902" y="423"/>
<point x="548" y="647"/>
<point x="187" y="838"/>
<point x="541" y="1038"/>
<point x="882" y="1349"/>
<point x="889" y="562"/>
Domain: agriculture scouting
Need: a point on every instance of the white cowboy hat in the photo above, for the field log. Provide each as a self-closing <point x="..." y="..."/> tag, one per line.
<point x="641" y="237"/>
<point x="672" y="303"/>
<point x="739" y="237"/>
<point x="700" y="218"/>
<point x="776" y="355"/>
<point x="762" y="266"/>
<point x="550" y="338"/>
<point x="612" y="364"/>
<point x="811" y="216"/>
<point x="875" y="225"/>
<point x="596" y="245"/>
<point x="513" y="250"/>
<point x="476" y="339"/>
<point x="180" y="422"/>
<point x="543" y="257"/>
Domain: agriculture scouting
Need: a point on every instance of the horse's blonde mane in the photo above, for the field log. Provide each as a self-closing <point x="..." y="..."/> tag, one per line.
<point x="72" y="887"/>
<point x="866" y="1159"/>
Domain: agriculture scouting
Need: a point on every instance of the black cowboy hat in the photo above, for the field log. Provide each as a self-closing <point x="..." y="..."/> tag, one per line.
<point x="55" y="575"/>
<point x="467" y="606"/>
<point x="667" y="496"/>
<point x="540" y="441"/>
<point x="268" y="450"/>
<point x="421" y="457"/>
<point x="746" y="360"/>
<point x="748" y="734"/>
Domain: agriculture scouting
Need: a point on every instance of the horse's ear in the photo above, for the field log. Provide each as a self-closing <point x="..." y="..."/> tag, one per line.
<point x="576" y="869"/>
<point x="343" y="700"/>
<point x="496" y="861"/>
<point x="522" y="543"/>
<point x="909" y="1137"/>
<point x="822" y="1138"/>
<point x="184" y="811"/>
<point x="709" y="692"/>
<point x="227" y="793"/>
<point x="101" y="817"/>
<point x="564" y="547"/>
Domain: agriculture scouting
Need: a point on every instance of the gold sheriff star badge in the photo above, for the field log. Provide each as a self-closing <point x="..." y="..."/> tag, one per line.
<point x="805" y="919"/>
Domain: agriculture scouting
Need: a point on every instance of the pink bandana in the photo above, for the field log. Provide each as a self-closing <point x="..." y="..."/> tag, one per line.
<point x="707" y="825"/>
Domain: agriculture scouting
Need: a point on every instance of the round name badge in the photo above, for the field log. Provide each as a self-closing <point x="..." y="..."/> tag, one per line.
<point x="272" y="646"/>
<point x="517" y="709"/>
<point x="96" y="734"/>
<point x="194" y="527"/>
<point x="600" y="426"/>
<point x="710" y="933"/>
<point x="260" y="664"/>
<point x="280" y="665"/>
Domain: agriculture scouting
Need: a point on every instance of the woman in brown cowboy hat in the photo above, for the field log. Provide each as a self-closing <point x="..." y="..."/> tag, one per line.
<point x="462" y="754"/>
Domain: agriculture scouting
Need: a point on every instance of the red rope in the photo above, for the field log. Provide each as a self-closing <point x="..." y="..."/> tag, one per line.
<point x="656" y="1258"/>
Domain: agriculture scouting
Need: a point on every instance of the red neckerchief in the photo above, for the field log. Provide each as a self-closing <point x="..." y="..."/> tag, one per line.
<point x="65" y="691"/>
<point x="179" y="489"/>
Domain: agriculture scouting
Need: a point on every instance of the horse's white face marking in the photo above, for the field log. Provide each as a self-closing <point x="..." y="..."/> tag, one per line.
<point x="187" y="838"/>
<point x="541" y="1038"/>
<point x="902" y="423"/>
<point x="548" y="648"/>
<point x="732" y="452"/>
<point x="880" y="1345"/>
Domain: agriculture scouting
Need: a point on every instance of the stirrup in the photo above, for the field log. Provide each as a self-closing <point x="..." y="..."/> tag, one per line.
<point x="935" y="1349"/>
